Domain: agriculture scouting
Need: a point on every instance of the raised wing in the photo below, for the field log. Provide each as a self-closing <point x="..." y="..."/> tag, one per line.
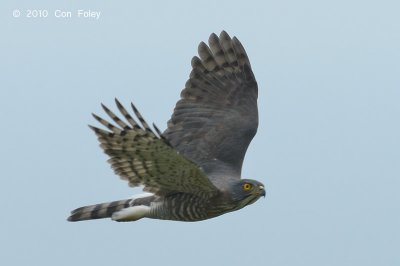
<point x="216" y="117"/>
<point x="141" y="157"/>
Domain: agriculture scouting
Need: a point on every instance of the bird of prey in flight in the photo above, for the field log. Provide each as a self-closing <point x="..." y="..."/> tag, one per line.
<point x="192" y="170"/>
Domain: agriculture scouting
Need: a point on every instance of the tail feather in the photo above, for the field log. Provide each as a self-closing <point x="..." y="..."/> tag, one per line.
<point x="98" y="211"/>
<point x="106" y="210"/>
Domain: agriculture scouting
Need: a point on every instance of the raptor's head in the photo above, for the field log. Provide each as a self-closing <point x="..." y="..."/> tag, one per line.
<point x="246" y="192"/>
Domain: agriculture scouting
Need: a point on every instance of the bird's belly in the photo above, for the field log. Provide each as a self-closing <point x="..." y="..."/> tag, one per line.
<point x="181" y="207"/>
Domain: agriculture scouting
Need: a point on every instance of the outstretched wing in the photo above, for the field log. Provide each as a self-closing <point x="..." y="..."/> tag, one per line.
<point x="141" y="157"/>
<point x="216" y="117"/>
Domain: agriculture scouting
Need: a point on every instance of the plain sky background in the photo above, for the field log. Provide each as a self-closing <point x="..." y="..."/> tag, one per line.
<point x="327" y="149"/>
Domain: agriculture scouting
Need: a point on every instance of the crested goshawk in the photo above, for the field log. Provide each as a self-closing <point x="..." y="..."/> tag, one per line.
<point x="191" y="171"/>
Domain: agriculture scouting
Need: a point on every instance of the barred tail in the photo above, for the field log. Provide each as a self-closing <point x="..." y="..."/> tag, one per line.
<point x="98" y="211"/>
<point x="131" y="209"/>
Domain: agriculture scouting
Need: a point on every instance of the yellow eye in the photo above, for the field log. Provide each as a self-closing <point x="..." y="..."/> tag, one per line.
<point x="247" y="186"/>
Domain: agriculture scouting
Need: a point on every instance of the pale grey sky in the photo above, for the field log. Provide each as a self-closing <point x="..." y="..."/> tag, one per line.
<point x="327" y="148"/>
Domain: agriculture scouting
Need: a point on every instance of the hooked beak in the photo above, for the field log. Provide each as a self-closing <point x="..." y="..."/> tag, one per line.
<point x="262" y="191"/>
